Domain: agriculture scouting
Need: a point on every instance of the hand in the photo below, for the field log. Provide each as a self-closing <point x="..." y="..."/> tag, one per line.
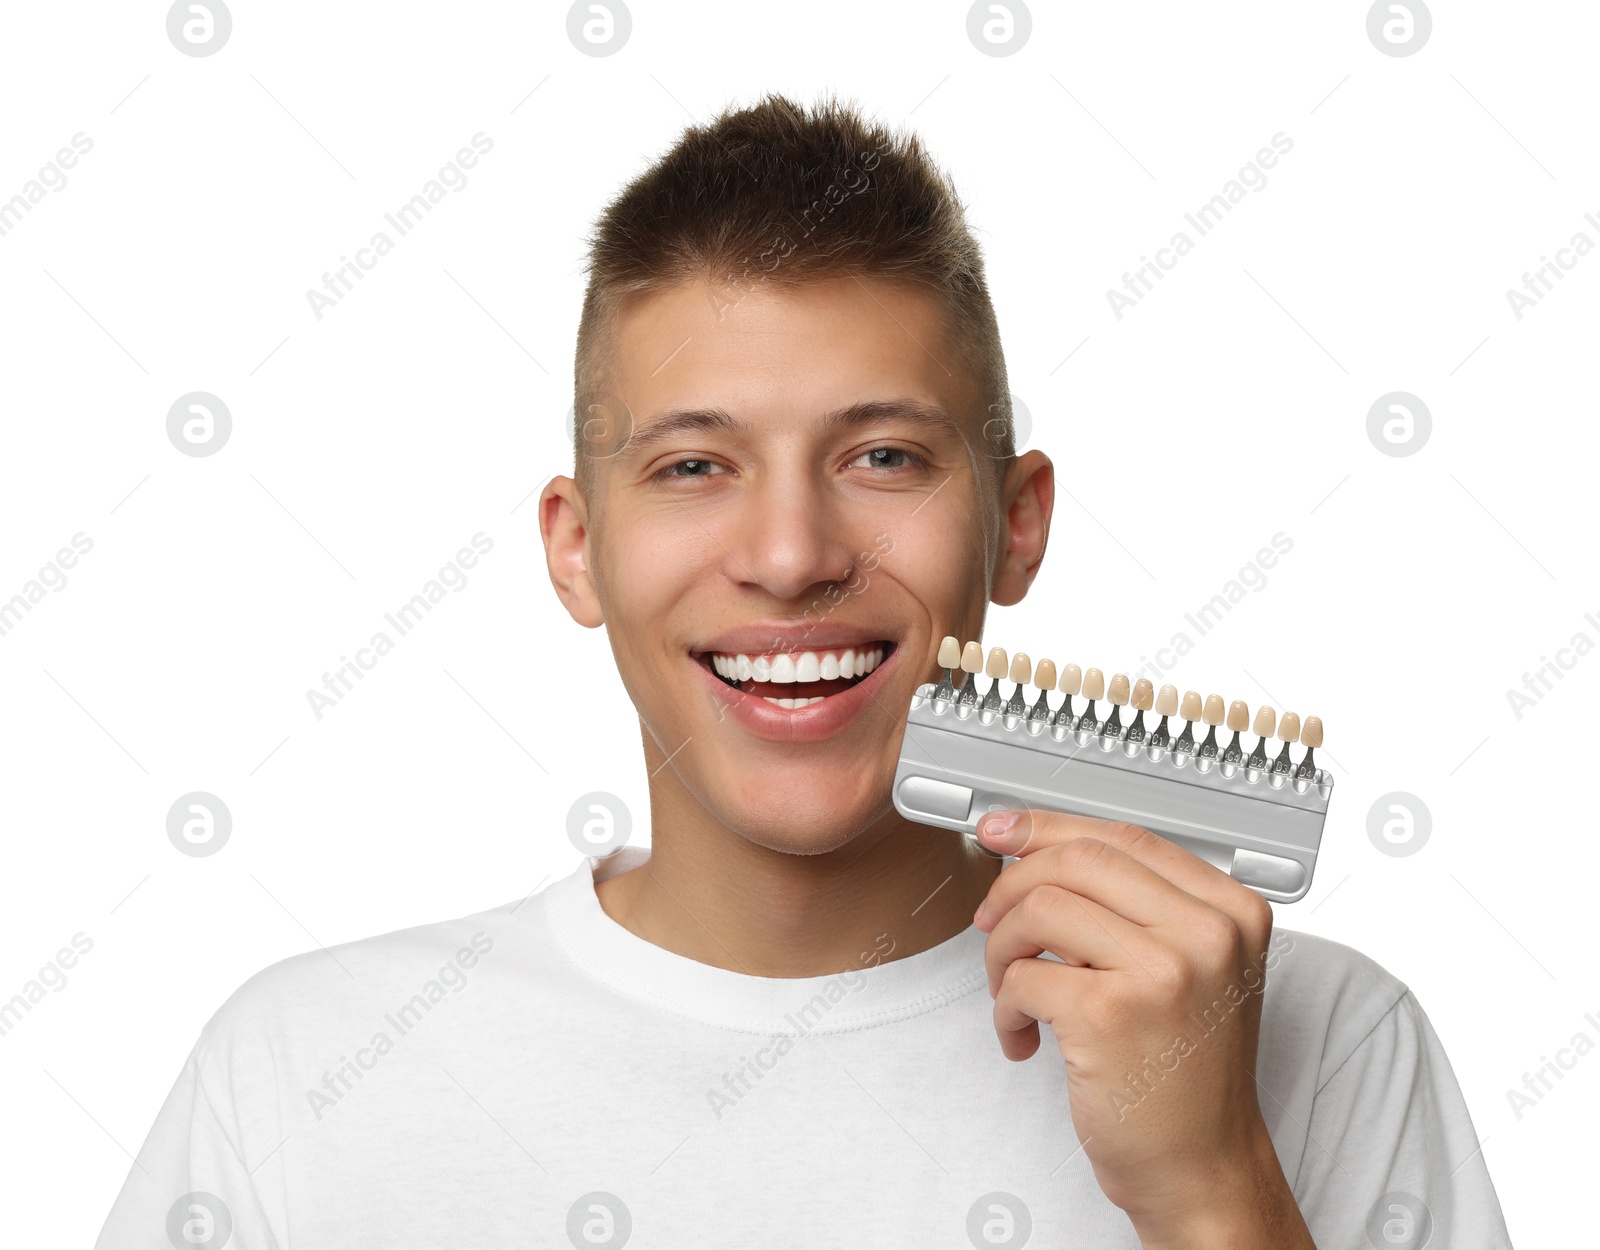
<point x="1156" y="1006"/>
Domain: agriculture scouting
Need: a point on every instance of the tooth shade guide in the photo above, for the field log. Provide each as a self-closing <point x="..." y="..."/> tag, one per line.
<point x="1288" y="730"/>
<point x="1212" y="716"/>
<point x="1141" y="696"/>
<point x="1190" y="710"/>
<point x="1166" y="707"/>
<point x="1069" y="683"/>
<point x="949" y="659"/>
<point x="1021" y="670"/>
<point x="1138" y="740"/>
<point x="1238" y="720"/>
<point x="1117" y="694"/>
<point x="1044" y="678"/>
<point x="1265" y="723"/>
<point x="1142" y="699"/>
<point x="1264" y="829"/>
<point x="1094" y="687"/>
<point x="1015" y="705"/>
<point x="1311" y="739"/>
<point x="996" y="669"/>
<point x="971" y="664"/>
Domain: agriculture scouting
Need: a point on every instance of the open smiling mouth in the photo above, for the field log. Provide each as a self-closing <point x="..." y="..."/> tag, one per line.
<point x="797" y="679"/>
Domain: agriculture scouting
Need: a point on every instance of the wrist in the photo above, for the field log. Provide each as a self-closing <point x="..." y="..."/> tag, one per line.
<point x="1243" y="1203"/>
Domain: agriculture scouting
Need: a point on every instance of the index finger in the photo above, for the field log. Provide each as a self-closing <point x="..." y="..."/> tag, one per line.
<point x="1033" y="829"/>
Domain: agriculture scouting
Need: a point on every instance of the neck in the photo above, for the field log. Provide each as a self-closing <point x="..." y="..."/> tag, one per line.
<point x="720" y="899"/>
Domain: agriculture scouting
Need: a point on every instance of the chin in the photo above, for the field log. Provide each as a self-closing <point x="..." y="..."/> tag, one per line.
<point x="816" y="827"/>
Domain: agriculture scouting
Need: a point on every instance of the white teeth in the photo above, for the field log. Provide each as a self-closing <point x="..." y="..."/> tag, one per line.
<point x="794" y="703"/>
<point x="799" y="666"/>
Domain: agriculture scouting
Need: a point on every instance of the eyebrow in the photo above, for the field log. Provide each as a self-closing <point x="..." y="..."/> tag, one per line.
<point x="718" y="420"/>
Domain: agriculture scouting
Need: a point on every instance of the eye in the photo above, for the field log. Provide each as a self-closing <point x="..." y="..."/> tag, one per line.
<point x="694" y="468"/>
<point x="883" y="458"/>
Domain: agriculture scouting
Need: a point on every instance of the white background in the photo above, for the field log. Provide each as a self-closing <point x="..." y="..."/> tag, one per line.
<point x="368" y="446"/>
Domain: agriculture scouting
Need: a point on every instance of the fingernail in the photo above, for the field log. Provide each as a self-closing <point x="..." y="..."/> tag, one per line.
<point x="997" y="828"/>
<point x="978" y="916"/>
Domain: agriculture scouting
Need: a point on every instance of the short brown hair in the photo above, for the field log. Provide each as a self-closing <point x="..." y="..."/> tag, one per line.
<point x="774" y="193"/>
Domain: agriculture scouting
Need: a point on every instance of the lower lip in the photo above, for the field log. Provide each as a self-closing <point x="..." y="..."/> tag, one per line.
<point x="812" y="723"/>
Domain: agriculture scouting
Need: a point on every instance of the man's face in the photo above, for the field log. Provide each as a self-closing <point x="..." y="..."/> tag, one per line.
<point x="804" y="531"/>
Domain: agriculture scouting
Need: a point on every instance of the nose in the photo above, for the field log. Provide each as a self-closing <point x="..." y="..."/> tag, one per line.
<point x="789" y="534"/>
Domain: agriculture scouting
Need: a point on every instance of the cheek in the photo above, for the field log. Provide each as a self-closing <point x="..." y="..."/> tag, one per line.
<point x="938" y="554"/>
<point x="647" y="564"/>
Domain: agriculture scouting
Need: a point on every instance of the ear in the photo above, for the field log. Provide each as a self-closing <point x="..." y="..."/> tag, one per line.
<point x="1029" y="499"/>
<point x="564" y="526"/>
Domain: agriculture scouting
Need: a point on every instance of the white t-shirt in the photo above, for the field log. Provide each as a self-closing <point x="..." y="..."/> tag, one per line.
<point x="537" y="1075"/>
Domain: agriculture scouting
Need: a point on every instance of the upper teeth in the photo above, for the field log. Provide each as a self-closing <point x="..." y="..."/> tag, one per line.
<point x="799" y="665"/>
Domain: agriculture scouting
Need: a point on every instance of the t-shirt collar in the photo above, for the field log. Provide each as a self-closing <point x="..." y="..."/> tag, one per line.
<point x="880" y="988"/>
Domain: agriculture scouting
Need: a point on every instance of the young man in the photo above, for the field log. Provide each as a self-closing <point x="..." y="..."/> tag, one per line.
<point x="769" y="1027"/>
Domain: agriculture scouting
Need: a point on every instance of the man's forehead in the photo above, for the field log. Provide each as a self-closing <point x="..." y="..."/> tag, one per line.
<point x="846" y="352"/>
